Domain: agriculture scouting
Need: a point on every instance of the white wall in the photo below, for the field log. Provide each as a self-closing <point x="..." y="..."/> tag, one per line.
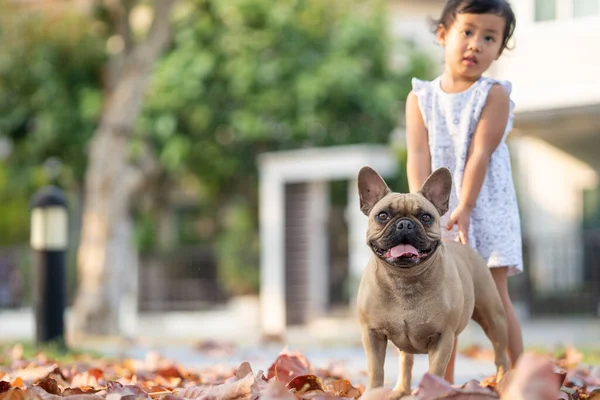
<point x="315" y="166"/>
<point x="550" y="184"/>
<point x="409" y="19"/>
<point x="553" y="64"/>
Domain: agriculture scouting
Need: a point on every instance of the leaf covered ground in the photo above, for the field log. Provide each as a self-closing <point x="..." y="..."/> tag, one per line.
<point x="290" y="376"/>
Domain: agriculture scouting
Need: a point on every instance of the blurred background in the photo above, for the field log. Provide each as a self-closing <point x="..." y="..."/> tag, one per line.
<point x="209" y="150"/>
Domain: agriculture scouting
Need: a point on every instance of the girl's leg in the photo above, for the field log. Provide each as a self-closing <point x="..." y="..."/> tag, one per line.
<point x="449" y="375"/>
<point x="515" y="337"/>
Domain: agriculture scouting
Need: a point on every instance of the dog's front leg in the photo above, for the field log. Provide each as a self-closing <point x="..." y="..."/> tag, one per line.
<point x="375" y="345"/>
<point x="405" y="366"/>
<point x="440" y="352"/>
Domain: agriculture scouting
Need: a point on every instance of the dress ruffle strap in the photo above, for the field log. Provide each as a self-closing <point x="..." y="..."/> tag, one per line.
<point x="422" y="89"/>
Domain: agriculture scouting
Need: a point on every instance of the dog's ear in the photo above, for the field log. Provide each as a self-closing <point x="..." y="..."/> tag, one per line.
<point x="371" y="189"/>
<point x="437" y="189"/>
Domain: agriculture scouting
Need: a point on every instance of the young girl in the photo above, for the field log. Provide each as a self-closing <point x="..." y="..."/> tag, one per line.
<point x="460" y="121"/>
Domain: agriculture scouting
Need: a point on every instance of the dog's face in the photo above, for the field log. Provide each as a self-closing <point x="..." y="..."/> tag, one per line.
<point x="404" y="229"/>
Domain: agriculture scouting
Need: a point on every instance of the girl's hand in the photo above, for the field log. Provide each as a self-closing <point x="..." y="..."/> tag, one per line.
<point x="461" y="216"/>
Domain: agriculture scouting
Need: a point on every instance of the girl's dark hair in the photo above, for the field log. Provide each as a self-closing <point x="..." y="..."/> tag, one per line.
<point x="499" y="7"/>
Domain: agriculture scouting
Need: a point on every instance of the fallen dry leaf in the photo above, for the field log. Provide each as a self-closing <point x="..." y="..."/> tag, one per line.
<point x="276" y="390"/>
<point x="31" y="373"/>
<point x="49" y="385"/>
<point x="113" y="387"/>
<point x="433" y="387"/>
<point x="289" y="377"/>
<point x="341" y="387"/>
<point x="477" y="352"/>
<point x="534" y="378"/>
<point x="215" y="348"/>
<point x="227" y="391"/>
<point x="259" y="386"/>
<point x="289" y="365"/>
<point x="570" y="358"/>
<point x="305" y="383"/>
<point x="4" y="386"/>
<point x="18" y="382"/>
<point x="379" y="393"/>
<point x="594" y="394"/>
<point x="16" y="394"/>
<point x="78" y="391"/>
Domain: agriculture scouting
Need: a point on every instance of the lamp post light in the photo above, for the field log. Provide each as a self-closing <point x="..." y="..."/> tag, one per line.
<point x="49" y="239"/>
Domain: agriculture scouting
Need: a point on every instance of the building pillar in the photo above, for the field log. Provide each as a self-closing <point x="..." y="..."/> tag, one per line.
<point x="358" y="251"/>
<point x="272" y="253"/>
<point x="318" y="248"/>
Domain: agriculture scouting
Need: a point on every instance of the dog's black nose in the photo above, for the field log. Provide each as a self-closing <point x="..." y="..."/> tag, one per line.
<point x="405" y="225"/>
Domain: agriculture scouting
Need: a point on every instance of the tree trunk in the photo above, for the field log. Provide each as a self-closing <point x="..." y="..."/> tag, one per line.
<point x="107" y="260"/>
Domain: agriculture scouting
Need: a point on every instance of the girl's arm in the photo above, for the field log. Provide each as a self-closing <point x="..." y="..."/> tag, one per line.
<point x="488" y="134"/>
<point x="418" y="164"/>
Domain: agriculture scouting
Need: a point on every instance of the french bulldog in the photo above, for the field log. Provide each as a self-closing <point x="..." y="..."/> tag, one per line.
<point x="418" y="291"/>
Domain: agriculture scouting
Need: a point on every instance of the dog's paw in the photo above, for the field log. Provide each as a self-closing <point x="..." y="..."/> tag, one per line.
<point x="401" y="394"/>
<point x="382" y="393"/>
<point x="378" y="393"/>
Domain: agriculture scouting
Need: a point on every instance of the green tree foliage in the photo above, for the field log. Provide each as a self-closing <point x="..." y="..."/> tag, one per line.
<point x="241" y="77"/>
<point x="247" y="76"/>
<point x="50" y="81"/>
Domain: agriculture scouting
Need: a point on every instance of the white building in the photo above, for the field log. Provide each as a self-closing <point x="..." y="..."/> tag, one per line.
<point x="555" y="148"/>
<point x="555" y="163"/>
<point x="553" y="68"/>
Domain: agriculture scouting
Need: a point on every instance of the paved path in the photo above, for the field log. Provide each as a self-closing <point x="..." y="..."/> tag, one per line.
<point x="324" y="341"/>
<point x="350" y="359"/>
<point x="240" y="325"/>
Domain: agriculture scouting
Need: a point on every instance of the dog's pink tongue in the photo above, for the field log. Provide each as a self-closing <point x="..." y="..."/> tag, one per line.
<point x="403" y="249"/>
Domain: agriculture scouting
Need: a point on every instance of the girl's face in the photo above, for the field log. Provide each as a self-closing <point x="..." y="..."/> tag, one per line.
<point x="472" y="43"/>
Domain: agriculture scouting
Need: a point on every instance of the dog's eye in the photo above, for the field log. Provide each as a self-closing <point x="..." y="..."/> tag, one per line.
<point x="426" y="218"/>
<point x="383" y="216"/>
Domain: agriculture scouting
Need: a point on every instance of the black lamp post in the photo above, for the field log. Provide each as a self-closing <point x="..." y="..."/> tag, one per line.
<point x="49" y="240"/>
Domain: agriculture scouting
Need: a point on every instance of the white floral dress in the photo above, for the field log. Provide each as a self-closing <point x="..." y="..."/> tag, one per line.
<point x="451" y="119"/>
